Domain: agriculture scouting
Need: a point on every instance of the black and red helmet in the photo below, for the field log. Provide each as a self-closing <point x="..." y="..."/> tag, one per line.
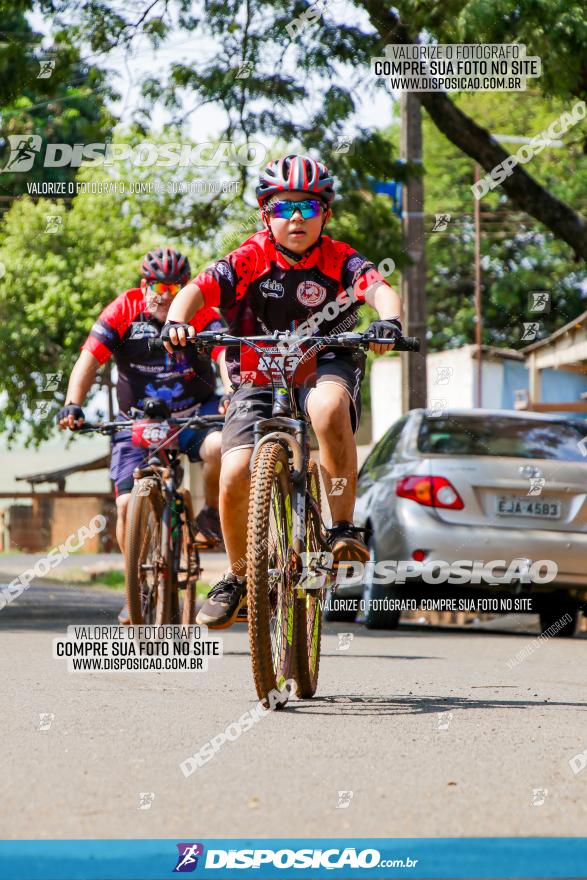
<point x="296" y="173"/>
<point x="165" y="264"/>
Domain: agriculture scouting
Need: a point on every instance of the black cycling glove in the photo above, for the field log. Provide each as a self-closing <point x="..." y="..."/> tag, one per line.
<point x="386" y="329"/>
<point x="167" y="327"/>
<point x="70" y="409"/>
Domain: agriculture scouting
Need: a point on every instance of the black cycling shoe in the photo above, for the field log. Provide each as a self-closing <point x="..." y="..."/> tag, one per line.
<point x="207" y="523"/>
<point x="223" y="602"/>
<point x="347" y="543"/>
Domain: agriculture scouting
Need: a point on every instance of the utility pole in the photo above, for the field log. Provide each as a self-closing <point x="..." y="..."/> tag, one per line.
<point x="413" y="278"/>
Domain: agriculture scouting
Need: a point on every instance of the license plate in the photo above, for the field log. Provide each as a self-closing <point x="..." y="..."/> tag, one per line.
<point x="520" y="505"/>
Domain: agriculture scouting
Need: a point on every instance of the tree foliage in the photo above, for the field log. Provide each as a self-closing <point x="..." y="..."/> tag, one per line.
<point x="518" y="257"/>
<point x="55" y="285"/>
<point x="68" y="106"/>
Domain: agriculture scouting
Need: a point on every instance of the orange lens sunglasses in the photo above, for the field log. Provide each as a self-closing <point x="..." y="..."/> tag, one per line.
<point x="161" y="287"/>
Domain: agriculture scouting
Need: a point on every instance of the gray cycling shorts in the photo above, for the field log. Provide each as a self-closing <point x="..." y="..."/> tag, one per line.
<point x="250" y="403"/>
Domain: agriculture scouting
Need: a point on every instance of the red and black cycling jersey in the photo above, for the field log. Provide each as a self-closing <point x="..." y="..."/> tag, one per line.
<point x="123" y="330"/>
<point x="257" y="290"/>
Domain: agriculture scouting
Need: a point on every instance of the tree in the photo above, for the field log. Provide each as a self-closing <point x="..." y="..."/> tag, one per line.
<point x="517" y="256"/>
<point x="63" y="102"/>
<point x="525" y="21"/>
<point x="288" y="72"/>
<point x="55" y="285"/>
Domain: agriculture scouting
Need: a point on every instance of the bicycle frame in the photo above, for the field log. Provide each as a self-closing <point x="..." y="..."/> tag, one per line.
<point x="284" y="426"/>
<point x="164" y="464"/>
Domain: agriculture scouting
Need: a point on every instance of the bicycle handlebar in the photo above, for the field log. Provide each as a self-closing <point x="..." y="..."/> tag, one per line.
<point x="112" y="427"/>
<point x="340" y="340"/>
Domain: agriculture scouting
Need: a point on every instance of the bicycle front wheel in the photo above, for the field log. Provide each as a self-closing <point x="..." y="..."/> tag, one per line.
<point x="147" y="574"/>
<point x="308" y="617"/>
<point x="186" y="563"/>
<point x="270" y="576"/>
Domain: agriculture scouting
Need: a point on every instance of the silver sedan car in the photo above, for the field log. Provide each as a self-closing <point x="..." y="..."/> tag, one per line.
<point x="495" y="488"/>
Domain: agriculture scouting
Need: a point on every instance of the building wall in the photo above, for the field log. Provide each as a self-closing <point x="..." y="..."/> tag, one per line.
<point x="29" y="527"/>
<point x="451" y="383"/>
<point x="69" y="514"/>
<point x="47" y="522"/>
<point x="562" y="385"/>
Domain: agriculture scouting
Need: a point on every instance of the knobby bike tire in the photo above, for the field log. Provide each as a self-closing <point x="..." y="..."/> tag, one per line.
<point x="143" y="547"/>
<point x="308" y="617"/>
<point x="271" y="600"/>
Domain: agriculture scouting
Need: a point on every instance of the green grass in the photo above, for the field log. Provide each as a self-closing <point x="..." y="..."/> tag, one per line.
<point x="202" y="588"/>
<point x="114" y="580"/>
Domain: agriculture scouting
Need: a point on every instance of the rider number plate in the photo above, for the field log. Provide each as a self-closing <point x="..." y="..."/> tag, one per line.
<point x="274" y="363"/>
<point x="148" y="433"/>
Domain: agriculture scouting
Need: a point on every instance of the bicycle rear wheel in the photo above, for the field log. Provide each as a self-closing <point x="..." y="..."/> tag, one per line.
<point x="147" y="574"/>
<point x="270" y="576"/>
<point x="308" y="617"/>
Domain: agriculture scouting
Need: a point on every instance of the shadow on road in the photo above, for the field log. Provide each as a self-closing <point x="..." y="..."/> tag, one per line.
<point x="487" y="628"/>
<point x="54" y="607"/>
<point x="354" y="704"/>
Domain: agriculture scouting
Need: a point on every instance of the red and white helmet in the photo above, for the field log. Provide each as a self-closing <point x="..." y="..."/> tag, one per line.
<point x="296" y="173"/>
<point x="166" y="265"/>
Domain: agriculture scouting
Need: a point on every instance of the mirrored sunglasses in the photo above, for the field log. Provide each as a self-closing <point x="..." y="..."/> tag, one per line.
<point x="285" y="210"/>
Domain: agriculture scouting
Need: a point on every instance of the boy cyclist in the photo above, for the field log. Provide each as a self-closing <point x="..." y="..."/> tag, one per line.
<point x="276" y="279"/>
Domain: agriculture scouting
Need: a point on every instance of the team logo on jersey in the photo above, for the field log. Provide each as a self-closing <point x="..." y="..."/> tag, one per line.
<point x="223" y="268"/>
<point x="355" y="263"/>
<point x="272" y="288"/>
<point x="309" y="293"/>
<point x="142" y="330"/>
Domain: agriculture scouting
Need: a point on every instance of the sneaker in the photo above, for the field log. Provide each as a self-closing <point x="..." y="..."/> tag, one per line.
<point x="124" y="616"/>
<point x="223" y="603"/>
<point x="347" y="543"/>
<point x="207" y="524"/>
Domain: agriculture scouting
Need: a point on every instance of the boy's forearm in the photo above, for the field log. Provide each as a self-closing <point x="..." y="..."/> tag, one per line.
<point x="82" y="378"/>
<point x="185" y="305"/>
<point x="385" y="300"/>
<point x="227" y="384"/>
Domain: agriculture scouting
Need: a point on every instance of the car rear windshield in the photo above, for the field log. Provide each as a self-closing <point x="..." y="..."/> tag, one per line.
<point x="500" y="435"/>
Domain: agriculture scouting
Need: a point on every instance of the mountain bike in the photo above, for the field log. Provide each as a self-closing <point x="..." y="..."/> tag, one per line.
<point x="289" y="564"/>
<point x="162" y="562"/>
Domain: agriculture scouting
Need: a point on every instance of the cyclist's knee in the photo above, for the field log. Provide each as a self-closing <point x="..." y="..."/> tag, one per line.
<point x="328" y="408"/>
<point x="210" y="448"/>
<point x="122" y="506"/>
<point x="235" y="473"/>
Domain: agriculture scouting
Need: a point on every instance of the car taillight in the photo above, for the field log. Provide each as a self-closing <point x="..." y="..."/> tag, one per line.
<point x="429" y="491"/>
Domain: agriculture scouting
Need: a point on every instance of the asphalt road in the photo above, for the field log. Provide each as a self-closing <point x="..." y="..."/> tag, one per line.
<point x="428" y="728"/>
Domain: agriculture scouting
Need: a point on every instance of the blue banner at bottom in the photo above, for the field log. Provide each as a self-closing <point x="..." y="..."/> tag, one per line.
<point x="414" y="858"/>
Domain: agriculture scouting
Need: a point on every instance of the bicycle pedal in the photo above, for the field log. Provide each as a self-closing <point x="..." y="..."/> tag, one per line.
<point x="242" y="616"/>
<point x="204" y="545"/>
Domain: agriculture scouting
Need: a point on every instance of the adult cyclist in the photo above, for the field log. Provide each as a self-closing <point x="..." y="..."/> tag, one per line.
<point x="278" y="278"/>
<point x="186" y="381"/>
